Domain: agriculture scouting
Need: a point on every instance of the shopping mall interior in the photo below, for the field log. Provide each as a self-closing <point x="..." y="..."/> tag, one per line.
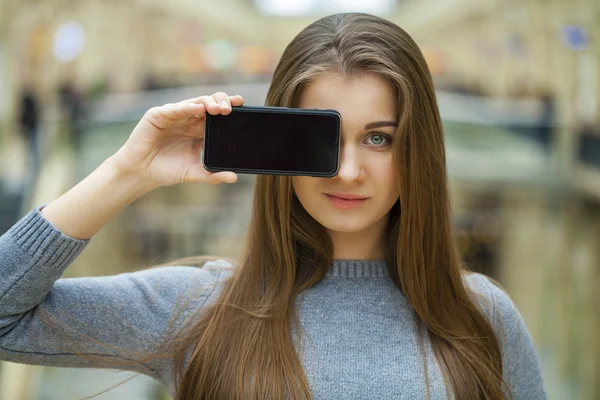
<point x="518" y="87"/>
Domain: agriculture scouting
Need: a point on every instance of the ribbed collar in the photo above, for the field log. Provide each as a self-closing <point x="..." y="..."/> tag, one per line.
<point x="358" y="269"/>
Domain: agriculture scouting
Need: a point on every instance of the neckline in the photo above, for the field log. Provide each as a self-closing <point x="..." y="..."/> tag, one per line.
<point x="358" y="269"/>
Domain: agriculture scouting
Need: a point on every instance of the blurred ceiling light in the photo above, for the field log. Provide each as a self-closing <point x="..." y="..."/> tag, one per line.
<point x="69" y="39"/>
<point x="285" y="8"/>
<point x="220" y="54"/>
<point x="293" y="8"/>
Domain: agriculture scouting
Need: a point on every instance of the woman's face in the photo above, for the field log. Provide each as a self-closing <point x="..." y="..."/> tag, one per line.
<point x="366" y="186"/>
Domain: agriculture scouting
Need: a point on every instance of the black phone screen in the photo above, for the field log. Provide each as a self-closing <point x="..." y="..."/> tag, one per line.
<point x="272" y="140"/>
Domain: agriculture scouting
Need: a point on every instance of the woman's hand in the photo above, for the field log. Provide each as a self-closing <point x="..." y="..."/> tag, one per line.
<point x="166" y="145"/>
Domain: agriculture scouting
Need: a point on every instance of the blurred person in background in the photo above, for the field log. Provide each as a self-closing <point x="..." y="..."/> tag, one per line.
<point x="545" y="130"/>
<point x="29" y="127"/>
<point x="72" y="102"/>
<point x="350" y="287"/>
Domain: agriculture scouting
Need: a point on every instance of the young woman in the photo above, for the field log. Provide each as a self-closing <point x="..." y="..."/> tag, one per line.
<point x="350" y="287"/>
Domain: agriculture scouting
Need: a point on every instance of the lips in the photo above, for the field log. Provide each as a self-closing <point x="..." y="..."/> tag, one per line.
<point x="346" y="200"/>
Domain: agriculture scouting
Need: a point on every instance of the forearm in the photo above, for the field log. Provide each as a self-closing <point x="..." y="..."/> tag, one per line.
<point x="92" y="203"/>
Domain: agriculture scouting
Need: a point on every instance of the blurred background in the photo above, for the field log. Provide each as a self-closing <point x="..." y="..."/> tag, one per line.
<point x="518" y="87"/>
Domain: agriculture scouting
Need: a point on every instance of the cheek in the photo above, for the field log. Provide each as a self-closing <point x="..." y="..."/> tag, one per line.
<point x="302" y="186"/>
<point x="383" y="171"/>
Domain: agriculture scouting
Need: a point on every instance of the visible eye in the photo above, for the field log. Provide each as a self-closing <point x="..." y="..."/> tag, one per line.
<point x="378" y="140"/>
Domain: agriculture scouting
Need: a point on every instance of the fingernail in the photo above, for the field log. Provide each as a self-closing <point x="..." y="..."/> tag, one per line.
<point x="224" y="103"/>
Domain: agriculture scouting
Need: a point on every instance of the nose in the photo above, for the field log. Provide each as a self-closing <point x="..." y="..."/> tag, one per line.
<point x="350" y="166"/>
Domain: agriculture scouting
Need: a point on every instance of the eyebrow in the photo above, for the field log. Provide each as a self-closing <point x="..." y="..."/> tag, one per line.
<point x="380" y="124"/>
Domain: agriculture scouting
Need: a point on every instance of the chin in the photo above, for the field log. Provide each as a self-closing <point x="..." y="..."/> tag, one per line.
<point x="345" y="224"/>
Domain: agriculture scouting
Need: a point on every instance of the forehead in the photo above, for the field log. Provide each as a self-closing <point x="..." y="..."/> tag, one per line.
<point x="359" y="100"/>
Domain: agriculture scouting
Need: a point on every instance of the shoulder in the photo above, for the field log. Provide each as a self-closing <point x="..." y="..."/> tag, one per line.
<point x="502" y="312"/>
<point x="520" y="363"/>
<point x="492" y="298"/>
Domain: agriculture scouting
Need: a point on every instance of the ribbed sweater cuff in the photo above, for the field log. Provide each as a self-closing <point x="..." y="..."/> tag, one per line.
<point x="38" y="238"/>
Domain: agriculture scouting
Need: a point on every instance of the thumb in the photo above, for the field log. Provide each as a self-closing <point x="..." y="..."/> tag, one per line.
<point x="198" y="174"/>
<point x="226" y="177"/>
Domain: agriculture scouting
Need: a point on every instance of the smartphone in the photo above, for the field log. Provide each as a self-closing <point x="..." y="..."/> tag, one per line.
<point x="273" y="141"/>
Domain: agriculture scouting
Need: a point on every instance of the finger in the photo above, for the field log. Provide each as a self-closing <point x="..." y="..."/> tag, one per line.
<point x="164" y="116"/>
<point x="183" y="110"/>
<point x="223" y="100"/>
<point x="222" y="177"/>
<point x="236" y="100"/>
<point x="210" y="103"/>
<point x="198" y="174"/>
<point x="202" y="111"/>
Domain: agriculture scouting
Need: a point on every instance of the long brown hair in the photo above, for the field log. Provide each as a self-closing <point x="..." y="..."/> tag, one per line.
<point x="243" y="346"/>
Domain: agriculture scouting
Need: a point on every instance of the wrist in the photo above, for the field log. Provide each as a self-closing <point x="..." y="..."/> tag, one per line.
<point x="127" y="183"/>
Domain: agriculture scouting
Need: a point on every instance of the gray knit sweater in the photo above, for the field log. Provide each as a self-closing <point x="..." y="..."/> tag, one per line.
<point x="363" y="342"/>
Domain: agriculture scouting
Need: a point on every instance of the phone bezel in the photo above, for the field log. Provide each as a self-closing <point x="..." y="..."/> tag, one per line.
<point x="279" y="110"/>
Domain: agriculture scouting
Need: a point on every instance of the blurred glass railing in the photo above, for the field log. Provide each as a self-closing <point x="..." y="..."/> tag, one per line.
<point x="498" y="140"/>
<point x="493" y="154"/>
<point x="486" y="139"/>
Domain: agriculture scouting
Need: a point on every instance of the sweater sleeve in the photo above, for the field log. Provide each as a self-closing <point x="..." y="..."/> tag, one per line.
<point x="520" y="363"/>
<point x="99" y="322"/>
